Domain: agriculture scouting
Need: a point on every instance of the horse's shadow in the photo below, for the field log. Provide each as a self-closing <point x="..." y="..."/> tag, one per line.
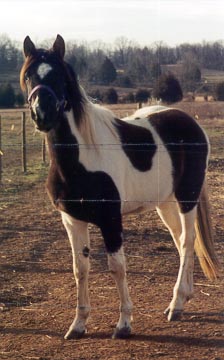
<point x="201" y="342"/>
<point x="205" y="318"/>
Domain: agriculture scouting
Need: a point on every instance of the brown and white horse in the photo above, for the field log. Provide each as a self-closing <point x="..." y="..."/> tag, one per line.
<point x="102" y="168"/>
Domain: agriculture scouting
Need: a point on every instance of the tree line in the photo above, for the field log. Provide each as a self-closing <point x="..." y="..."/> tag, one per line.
<point x="138" y="61"/>
<point x="125" y="63"/>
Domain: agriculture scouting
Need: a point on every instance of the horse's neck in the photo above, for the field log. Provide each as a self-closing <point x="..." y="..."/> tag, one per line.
<point x="96" y="128"/>
<point x="101" y="122"/>
<point x="63" y="148"/>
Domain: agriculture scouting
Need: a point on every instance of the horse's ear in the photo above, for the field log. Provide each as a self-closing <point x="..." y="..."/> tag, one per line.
<point x="59" y="46"/>
<point x="28" y="47"/>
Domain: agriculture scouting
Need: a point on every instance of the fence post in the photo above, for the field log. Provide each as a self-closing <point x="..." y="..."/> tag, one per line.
<point x="139" y="105"/>
<point x="1" y="149"/>
<point x="23" y="126"/>
<point x="43" y="150"/>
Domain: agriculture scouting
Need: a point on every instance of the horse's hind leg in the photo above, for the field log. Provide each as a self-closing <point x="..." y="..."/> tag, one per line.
<point x="79" y="238"/>
<point x="181" y="227"/>
<point x="183" y="289"/>
<point x="169" y="214"/>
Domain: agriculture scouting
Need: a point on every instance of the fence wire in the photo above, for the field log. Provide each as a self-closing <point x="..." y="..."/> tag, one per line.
<point x="10" y="156"/>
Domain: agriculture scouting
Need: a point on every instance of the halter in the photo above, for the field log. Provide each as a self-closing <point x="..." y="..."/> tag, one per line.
<point x="59" y="103"/>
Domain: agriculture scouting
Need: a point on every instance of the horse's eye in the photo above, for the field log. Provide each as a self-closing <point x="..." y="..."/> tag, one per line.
<point x="26" y="77"/>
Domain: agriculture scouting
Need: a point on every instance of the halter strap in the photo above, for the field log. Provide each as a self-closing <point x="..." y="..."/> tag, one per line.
<point x="59" y="103"/>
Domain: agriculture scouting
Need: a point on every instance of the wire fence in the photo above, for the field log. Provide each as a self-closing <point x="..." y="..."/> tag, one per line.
<point x="37" y="287"/>
<point x="21" y="152"/>
<point x="22" y="148"/>
<point x="17" y="143"/>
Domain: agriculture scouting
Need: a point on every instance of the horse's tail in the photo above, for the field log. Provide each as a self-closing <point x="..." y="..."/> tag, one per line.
<point x="204" y="244"/>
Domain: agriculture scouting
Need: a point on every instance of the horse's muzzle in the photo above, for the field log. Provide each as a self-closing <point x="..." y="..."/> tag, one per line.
<point x="44" y="122"/>
<point x="45" y="107"/>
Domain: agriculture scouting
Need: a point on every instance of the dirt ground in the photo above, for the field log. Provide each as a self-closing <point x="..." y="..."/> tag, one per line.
<point x="38" y="292"/>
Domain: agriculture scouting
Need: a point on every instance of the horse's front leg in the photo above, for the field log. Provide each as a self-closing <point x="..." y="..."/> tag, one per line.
<point x="112" y="233"/>
<point x="117" y="267"/>
<point x="79" y="238"/>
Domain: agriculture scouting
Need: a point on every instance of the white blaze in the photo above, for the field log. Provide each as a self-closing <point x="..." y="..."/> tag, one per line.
<point x="43" y="70"/>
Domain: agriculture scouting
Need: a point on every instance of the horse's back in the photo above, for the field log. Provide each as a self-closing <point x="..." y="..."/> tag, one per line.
<point x="145" y="111"/>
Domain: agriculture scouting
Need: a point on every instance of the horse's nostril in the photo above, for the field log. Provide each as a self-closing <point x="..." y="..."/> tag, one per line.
<point x="39" y="113"/>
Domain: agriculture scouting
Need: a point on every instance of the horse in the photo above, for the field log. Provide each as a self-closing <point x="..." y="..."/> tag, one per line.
<point x="102" y="168"/>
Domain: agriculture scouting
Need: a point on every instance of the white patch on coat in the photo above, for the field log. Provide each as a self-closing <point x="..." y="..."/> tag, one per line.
<point x="43" y="70"/>
<point x="138" y="190"/>
<point x="145" y="111"/>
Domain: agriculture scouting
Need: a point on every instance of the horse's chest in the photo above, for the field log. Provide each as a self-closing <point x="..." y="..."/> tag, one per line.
<point x="67" y="192"/>
<point x="85" y="195"/>
<point x="57" y="189"/>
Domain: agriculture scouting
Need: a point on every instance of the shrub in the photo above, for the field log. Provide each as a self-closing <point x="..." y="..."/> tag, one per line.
<point x="168" y="89"/>
<point x="142" y="95"/>
<point x="110" y="96"/>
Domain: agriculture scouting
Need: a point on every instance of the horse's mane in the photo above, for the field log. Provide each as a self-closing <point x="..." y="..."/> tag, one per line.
<point x="90" y="114"/>
<point x="27" y="63"/>
<point x="86" y="114"/>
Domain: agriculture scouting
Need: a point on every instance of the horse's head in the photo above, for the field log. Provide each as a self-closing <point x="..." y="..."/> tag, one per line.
<point x="45" y="77"/>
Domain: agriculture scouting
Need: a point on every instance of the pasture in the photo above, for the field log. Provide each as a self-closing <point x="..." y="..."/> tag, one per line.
<point x="37" y="289"/>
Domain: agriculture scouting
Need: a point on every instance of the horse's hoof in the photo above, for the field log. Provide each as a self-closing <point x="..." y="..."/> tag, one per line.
<point x="74" y="334"/>
<point x="122" y="333"/>
<point x="166" y="312"/>
<point x="174" y="315"/>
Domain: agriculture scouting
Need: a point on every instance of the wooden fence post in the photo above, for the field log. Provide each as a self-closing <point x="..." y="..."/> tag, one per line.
<point x="139" y="105"/>
<point x="23" y="128"/>
<point x="1" y="149"/>
<point x="43" y="150"/>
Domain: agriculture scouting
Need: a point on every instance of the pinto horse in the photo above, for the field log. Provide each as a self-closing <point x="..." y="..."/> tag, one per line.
<point x="102" y="167"/>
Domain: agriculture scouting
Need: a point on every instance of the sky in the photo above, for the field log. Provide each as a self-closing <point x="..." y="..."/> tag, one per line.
<point x="143" y="21"/>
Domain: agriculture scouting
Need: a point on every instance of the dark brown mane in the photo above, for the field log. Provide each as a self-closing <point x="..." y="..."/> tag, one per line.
<point x="77" y="99"/>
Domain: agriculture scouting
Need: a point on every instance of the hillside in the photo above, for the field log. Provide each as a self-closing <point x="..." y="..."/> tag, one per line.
<point x="210" y="77"/>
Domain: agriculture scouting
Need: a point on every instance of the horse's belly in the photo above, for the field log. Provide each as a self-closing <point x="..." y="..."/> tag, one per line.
<point x="146" y="191"/>
<point x="140" y="205"/>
